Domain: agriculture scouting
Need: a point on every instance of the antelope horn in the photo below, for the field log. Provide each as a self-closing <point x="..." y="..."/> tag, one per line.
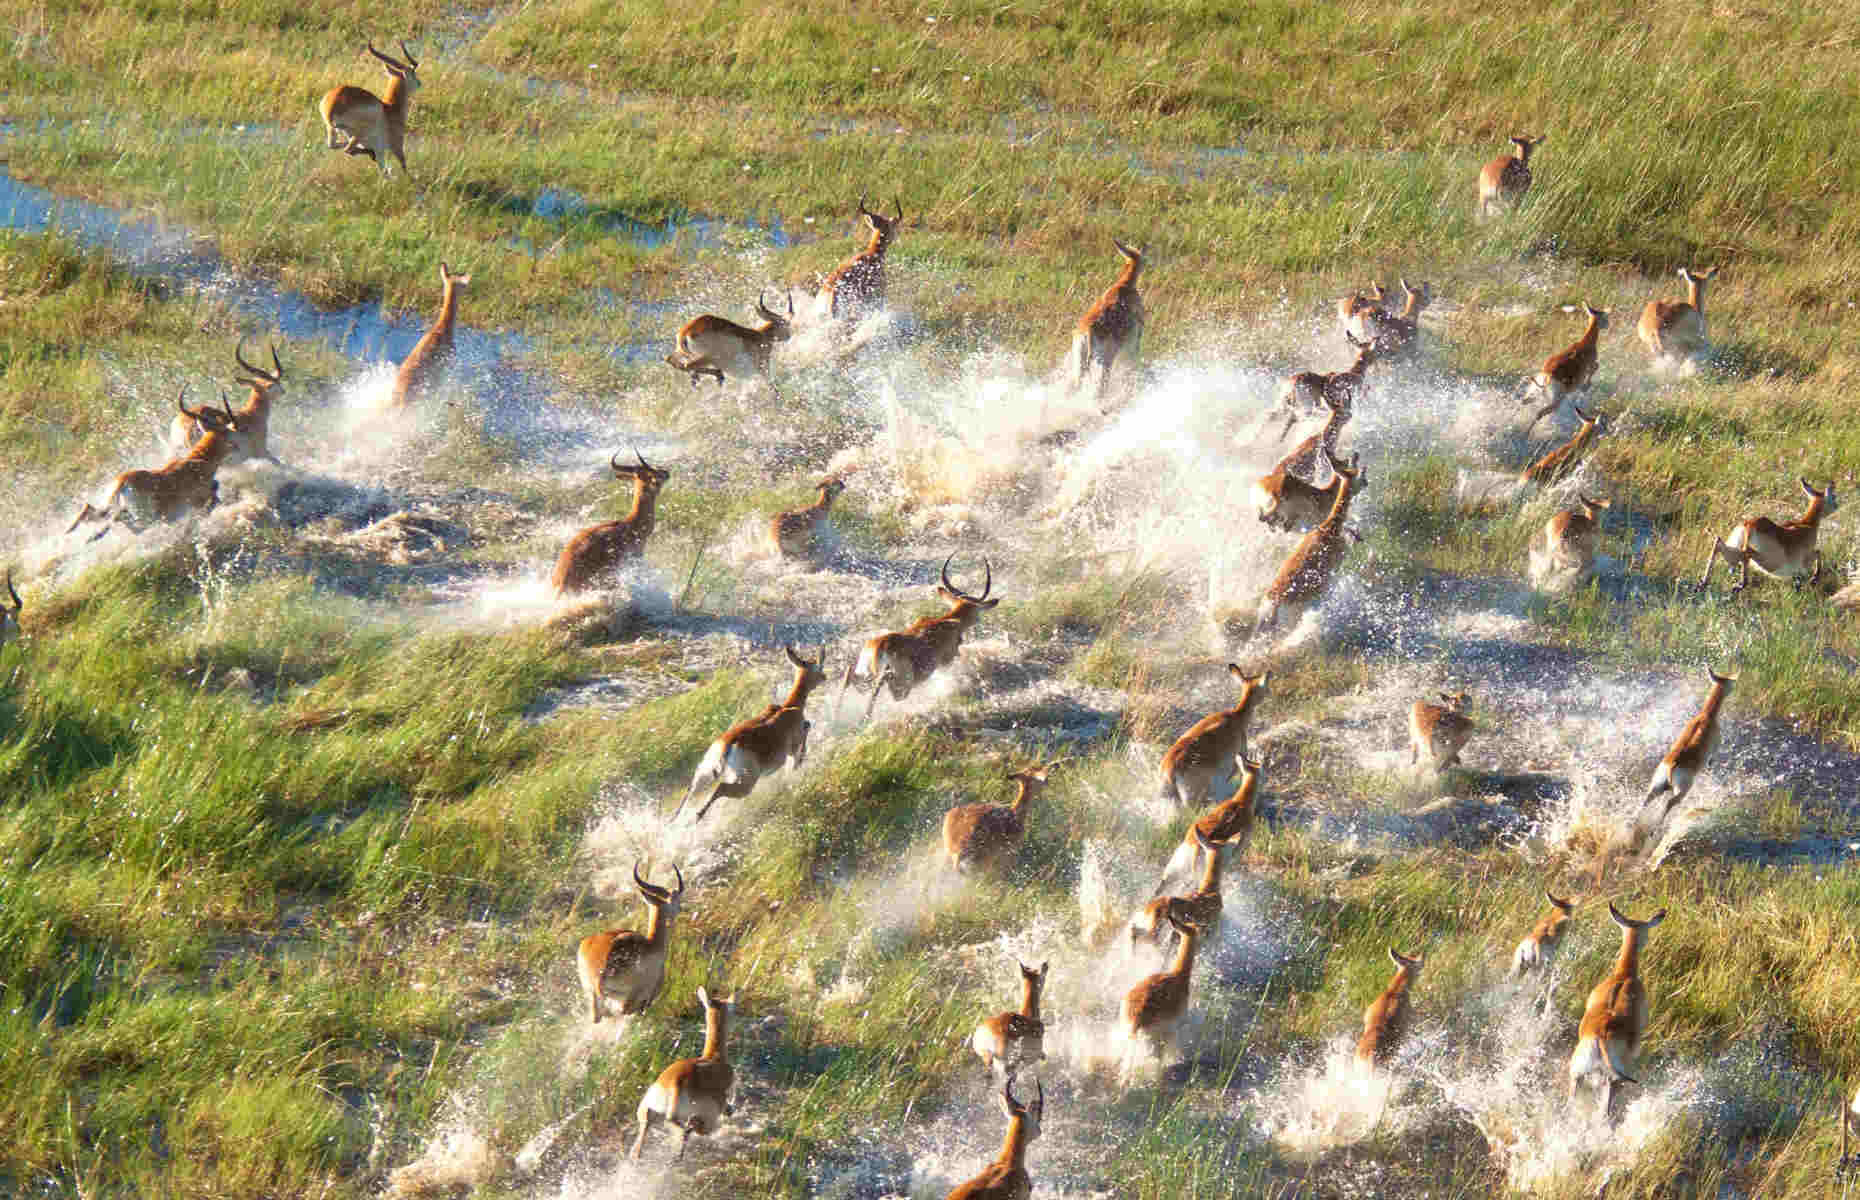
<point x="988" y="579"/>
<point x="383" y="57"/>
<point x="614" y="462"/>
<point x="276" y="365"/>
<point x="788" y="649"/>
<point x="945" y="576"/>
<point x="226" y="404"/>
<point x="863" y="210"/>
<point x="791" y="302"/>
<point x="260" y="372"/>
<point x="900" y="206"/>
<point x="18" y="604"/>
<point x="653" y="889"/>
<point x="641" y="458"/>
<point x="180" y="402"/>
<point x="680" y="875"/>
<point x="411" y="60"/>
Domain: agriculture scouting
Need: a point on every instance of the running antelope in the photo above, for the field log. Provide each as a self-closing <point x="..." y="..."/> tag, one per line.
<point x="906" y="658"/>
<point x="169" y="492"/>
<point x="1679" y="770"/>
<point x="622" y="970"/>
<point x="1567" y="542"/>
<point x="1504" y="181"/>
<point x="254" y="416"/>
<point x="1357" y="311"/>
<point x="693" y="1093"/>
<point x="1283" y="497"/>
<point x="599" y="550"/>
<point x="1229" y="823"/>
<point x="1111" y="327"/>
<point x="1780" y="551"/>
<point x="1007" y="1041"/>
<point x="859" y="282"/>
<point x="1154" y="1008"/>
<point x="1614" y="1018"/>
<point x="1006" y="1178"/>
<point x="1307" y="573"/>
<point x="1569" y="370"/>
<point x="422" y="370"/>
<point x="1540" y="944"/>
<point x="1563" y="461"/>
<point x="1385" y="1021"/>
<point x="1200" y="908"/>
<point x="1313" y="391"/>
<point x="708" y="344"/>
<point x="1214" y="747"/>
<point x="370" y="124"/>
<point x="758" y="745"/>
<point x="797" y="533"/>
<point x="1396" y="334"/>
<point x="986" y="837"/>
<point x="1674" y="330"/>
<point x="1439" y="731"/>
<point x="9" y="617"/>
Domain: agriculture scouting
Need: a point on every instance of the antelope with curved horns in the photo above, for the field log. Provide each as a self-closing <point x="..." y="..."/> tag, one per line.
<point x="1112" y="326"/>
<point x="1385" y="1021"/>
<point x="1307" y="573"/>
<point x="1567" y="541"/>
<point x="1229" y="823"/>
<point x="1397" y="334"/>
<point x="708" y="344"/>
<point x="1006" y="1178"/>
<point x="1781" y="551"/>
<point x="986" y="837"/>
<point x="254" y="416"/>
<point x="859" y="282"/>
<point x="1439" y="731"/>
<point x="1675" y="329"/>
<point x="599" y="550"/>
<point x="1504" y="181"/>
<point x="422" y="370"/>
<point x="1690" y="750"/>
<point x="1356" y="311"/>
<point x="1283" y="497"/>
<point x="9" y="617"/>
<point x="1008" y="1041"/>
<point x="908" y="657"/>
<point x="1154" y="1008"/>
<point x="758" y="745"/>
<point x="622" y="970"/>
<point x="1201" y="907"/>
<point x="798" y="532"/>
<point x="1314" y="390"/>
<point x="1539" y="946"/>
<point x="370" y="124"/>
<point x="1569" y="370"/>
<point x="1213" y="748"/>
<point x="1614" y="1018"/>
<point x="1563" y="461"/>
<point x="166" y="493"/>
<point x="693" y="1094"/>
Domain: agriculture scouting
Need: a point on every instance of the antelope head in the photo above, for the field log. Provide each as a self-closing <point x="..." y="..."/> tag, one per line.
<point x="1828" y="502"/>
<point x="883" y="228"/>
<point x="1525" y="144"/>
<point x="813" y="674"/>
<point x="962" y="604"/>
<point x="776" y="327"/>
<point x="649" y="478"/>
<point x="9" y="617"/>
<point x="221" y="421"/>
<point x="666" y="901"/>
<point x="405" y="72"/>
<point x="266" y="384"/>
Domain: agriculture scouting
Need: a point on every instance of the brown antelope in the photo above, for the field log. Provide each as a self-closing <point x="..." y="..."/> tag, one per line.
<point x="1308" y="571"/>
<point x="1680" y="768"/>
<point x="1563" y="461"/>
<point x="622" y="970"/>
<point x="1283" y="497"/>
<point x="1006" y="1178"/>
<point x="708" y="344"/>
<point x="859" y="282"/>
<point x="758" y="745"/>
<point x="1228" y="823"/>
<point x="370" y="124"/>
<point x="169" y="492"/>
<point x="1385" y="1021"/>
<point x="254" y="416"/>
<point x="693" y="1094"/>
<point x="598" y="550"/>
<point x="1200" y="908"/>
<point x="1154" y="1008"/>
<point x="422" y="370"/>
<point x="1213" y="748"/>
<point x="1313" y="391"/>
<point x="1439" y="731"/>
<point x="1356" y="311"/>
<point x="906" y="658"/>
<point x="1569" y="370"/>
<point x="1675" y="329"/>
<point x="1112" y="326"/>
<point x="9" y="617"/>
<point x="1007" y="1041"/>
<point x="1614" y="1018"/>
<point x="1781" y="551"/>
<point x="1568" y="540"/>
<point x="1395" y="334"/>
<point x="1540" y="944"/>
<point x="1504" y="181"/>
<point x="986" y="837"/>
<point x="797" y="533"/>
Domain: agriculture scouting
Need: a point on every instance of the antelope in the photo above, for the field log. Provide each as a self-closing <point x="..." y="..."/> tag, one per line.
<point x="1307" y="573"/>
<point x="165" y="493"/>
<point x="1006" y="1178"/>
<point x="1112" y="326"/>
<point x="1009" y="1040"/>
<point x="1357" y="311"/>
<point x="860" y="280"/>
<point x="1569" y="370"/>
<point x="599" y="549"/>
<point x="1385" y="1021"/>
<point x="421" y="371"/>
<point x="1779" y="551"/>
<point x="1154" y="1008"/>
<point x="254" y="416"/>
<point x="908" y="657"/>
<point x="1540" y="944"/>
<point x="9" y="617"/>
<point x="1564" y="460"/>
<point x="986" y="837"/>
<point x="1675" y="329"/>
<point x="1568" y="540"/>
<point x="1439" y="731"/>
<point x="1614" y="1018"/>
<point x="1213" y="748"/>
<point x="1399" y="333"/>
<point x="693" y="1093"/>
<point x="1229" y="823"/>
<point x="622" y="970"/>
<point x="797" y="532"/>
<point x="1505" y="179"/>
<point x="758" y="745"/>
<point x="708" y="344"/>
<point x="1680" y="768"/>
<point x="1201" y="907"/>
<point x="370" y="124"/>
<point x="1315" y="390"/>
<point x="1287" y="501"/>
